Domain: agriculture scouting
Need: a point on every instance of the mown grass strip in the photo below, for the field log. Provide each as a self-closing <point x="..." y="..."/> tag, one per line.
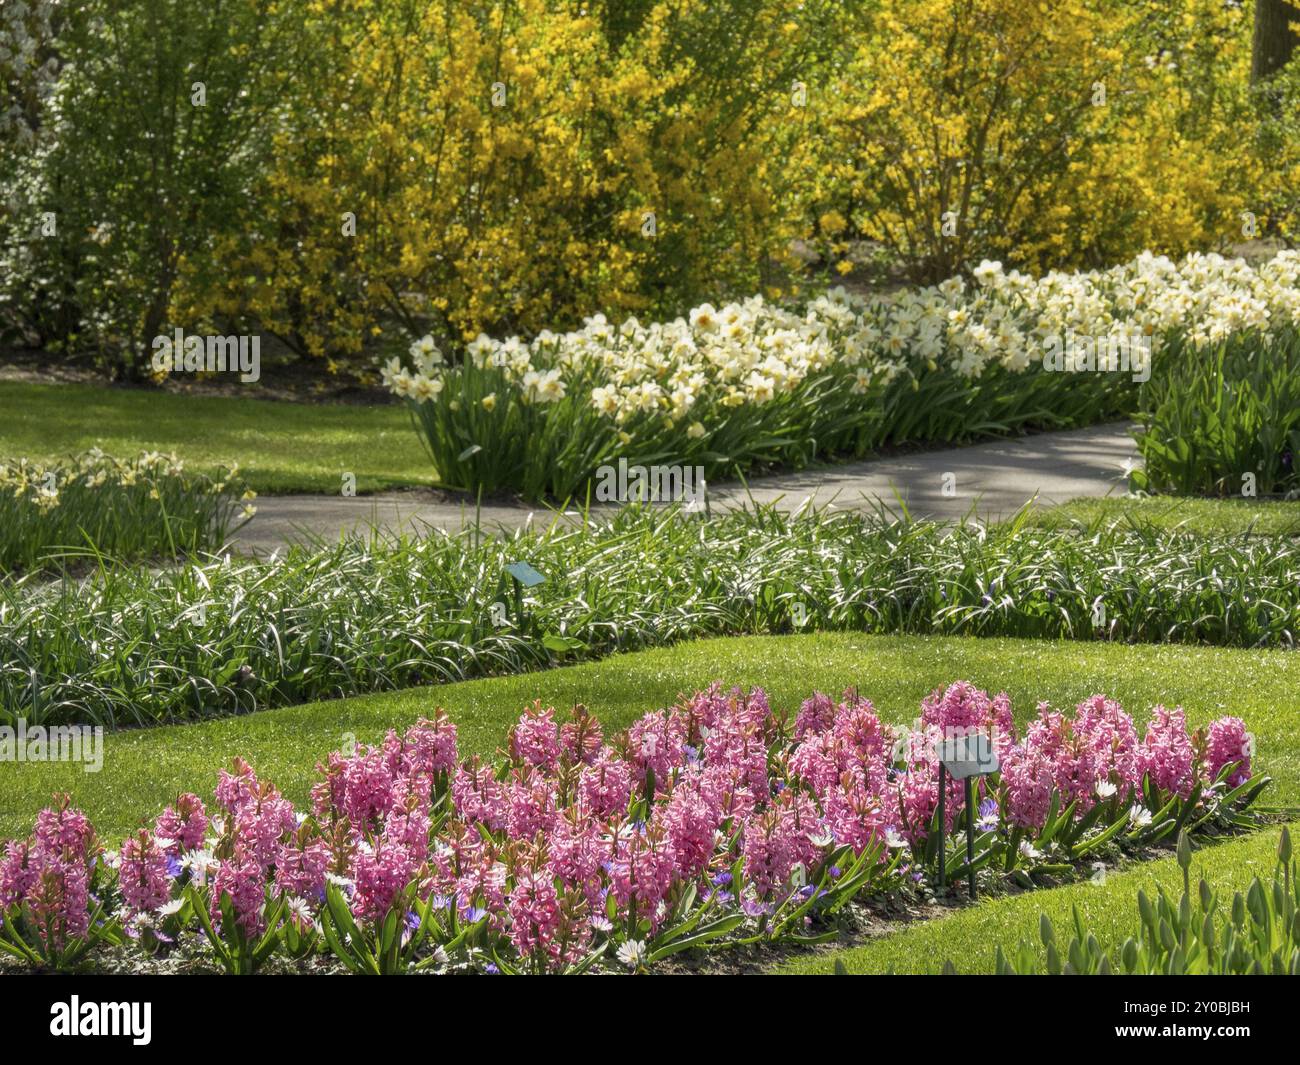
<point x="1201" y="517"/>
<point x="280" y="446"/>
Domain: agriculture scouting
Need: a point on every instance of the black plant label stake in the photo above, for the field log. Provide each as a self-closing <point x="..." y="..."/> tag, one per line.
<point x="965" y="758"/>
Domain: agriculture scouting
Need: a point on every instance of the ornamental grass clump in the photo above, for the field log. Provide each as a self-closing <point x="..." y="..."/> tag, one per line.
<point x="713" y="824"/>
<point x="96" y="509"/>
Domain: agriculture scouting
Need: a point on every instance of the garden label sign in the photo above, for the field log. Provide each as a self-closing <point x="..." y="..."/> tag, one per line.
<point x="965" y="758"/>
<point x="524" y="574"/>
<point x="524" y="577"/>
<point x="968" y="756"/>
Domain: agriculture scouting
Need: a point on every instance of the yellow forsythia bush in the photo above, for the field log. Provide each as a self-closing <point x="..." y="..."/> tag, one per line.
<point x="470" y="165"/>
<point x="1047" y="135"/>
<point x="361" y="173"/>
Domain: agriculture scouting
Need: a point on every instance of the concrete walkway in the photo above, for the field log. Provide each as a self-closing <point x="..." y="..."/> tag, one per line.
<point x="994" y="478"/>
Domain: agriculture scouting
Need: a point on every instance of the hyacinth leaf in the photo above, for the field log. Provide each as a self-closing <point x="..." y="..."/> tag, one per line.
<point x="982" y="858"/>
<point x="345" y="938"/>
<point x="1072" y="835"/>
<point x="465" y="935"/>
<point x="821" y="890"/>
<point x="859" y="875"/>
<point x="1100" y="840"/>
<point x="388" y="931"/>
<point x="578" y="968"/>
<point x="1013" y="848"/>
<point x="506" y="968"/>
<point x="294" y="941"/>
<point x="1150" y="797"/>
<point x="205" y="921"/>
<point x="710" y="931"/>
<point x="1186" y="806"/>
<point x="271" y="937"/>
<point x="427" y="923"/>
<point x="1158" y="818"/>
<point x="1049" y="823"/>
<point x="11" y="940"/>
<point x="680" y="929"/>
<point x="339" y="950"/>
<point x="233" y="932"/>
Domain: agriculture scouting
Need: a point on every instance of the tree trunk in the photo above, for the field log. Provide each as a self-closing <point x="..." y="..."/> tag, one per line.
<point x="1277" y="32"/>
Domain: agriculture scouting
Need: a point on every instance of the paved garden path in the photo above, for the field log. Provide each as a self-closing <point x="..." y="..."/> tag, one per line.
<point x="994" y="478"/>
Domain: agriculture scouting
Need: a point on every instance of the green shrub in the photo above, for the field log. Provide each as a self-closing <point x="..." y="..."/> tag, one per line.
<point x="154" y="131"/>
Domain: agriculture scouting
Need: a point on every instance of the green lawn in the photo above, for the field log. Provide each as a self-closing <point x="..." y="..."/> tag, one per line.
<point x="970" y="937"/>
<point x="144" y="769"/>
<point x="281" y="446"/>
<point x="1206" y="517"/>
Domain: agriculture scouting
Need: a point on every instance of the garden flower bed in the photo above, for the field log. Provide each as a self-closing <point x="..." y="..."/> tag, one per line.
<point x="712" y="824"/>
<point x="230" y="636"/>
<point x="751" y="383"/>
<point x="95" y="506"/>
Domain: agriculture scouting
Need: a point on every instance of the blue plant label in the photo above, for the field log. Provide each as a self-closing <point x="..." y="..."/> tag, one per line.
<point x="524" y="574"/>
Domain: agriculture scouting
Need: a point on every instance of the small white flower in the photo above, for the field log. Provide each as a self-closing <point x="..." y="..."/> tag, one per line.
<point x="170" y="909"/>
<point x="200" y="864"/>
<point x="893" y="840"/>
<point x="300" y="912"/>
<point x="1106" y="790"/>
<point x="1139" y="817"/>
<point x="632" y="953"/>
